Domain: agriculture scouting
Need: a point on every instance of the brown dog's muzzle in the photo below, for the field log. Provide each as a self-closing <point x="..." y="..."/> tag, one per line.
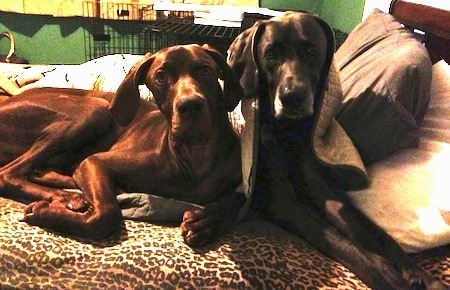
<point x="189" y="100"/>
<point x="190" y="106"/>
<point x="191" y="118"/>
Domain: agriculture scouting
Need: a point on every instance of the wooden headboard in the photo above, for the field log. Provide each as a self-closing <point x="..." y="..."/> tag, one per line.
<point x="433" y="22"/>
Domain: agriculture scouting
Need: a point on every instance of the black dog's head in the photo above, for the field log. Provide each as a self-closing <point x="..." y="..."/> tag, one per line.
<point x="287" y="58"/>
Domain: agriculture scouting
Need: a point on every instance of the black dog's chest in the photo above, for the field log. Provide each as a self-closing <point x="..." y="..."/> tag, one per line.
<point x="288" y="141"/>
<point x="282" y="150"/>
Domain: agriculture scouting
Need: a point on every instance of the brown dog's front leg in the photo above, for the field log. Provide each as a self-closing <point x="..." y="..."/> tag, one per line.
<point x="53" y="179"/>
<point x="95" y="178"/>
<point x="99" y="218"/>
<point x="201" y="226"/>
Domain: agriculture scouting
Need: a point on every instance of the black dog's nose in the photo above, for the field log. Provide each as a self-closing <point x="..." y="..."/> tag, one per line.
<point x="291" y="98"/>
<point x="190" y="106"/>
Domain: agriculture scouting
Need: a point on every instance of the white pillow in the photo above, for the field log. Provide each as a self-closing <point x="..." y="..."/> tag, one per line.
<point x="409" y="195"/>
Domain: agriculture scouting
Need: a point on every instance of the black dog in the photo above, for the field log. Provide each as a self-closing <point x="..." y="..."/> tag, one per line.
<point x="284" y="63"/>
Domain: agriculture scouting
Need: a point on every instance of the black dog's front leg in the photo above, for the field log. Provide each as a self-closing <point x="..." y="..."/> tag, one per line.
<point x="299" y="219"/>
<point x="288" y="208"/>
<point x="331" y="203"/>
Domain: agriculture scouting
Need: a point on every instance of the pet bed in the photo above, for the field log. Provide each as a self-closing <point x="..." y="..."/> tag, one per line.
<point x="255" y="254"/>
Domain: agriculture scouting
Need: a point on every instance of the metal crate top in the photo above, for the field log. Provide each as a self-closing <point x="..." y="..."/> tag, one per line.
<point x="193" y="29"/>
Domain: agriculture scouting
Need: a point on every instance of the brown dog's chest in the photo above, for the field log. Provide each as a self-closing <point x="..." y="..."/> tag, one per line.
<point x="203" y="176"/>
<point x="196" y="175"/>
<point x="172" y="181"/>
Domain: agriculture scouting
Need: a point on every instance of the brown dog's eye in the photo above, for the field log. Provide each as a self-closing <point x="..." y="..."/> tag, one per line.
<point x="205" y="70"/>
<point x="161" y="77"/>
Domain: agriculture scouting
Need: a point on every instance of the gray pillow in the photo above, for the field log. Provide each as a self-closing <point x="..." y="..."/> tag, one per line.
<point x="386" y="76"/>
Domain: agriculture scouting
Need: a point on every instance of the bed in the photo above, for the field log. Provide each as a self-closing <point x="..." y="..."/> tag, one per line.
<point x="407" y="197"/>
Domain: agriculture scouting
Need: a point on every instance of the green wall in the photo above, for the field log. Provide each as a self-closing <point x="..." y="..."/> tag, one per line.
<point x="313" y="6"/>
<point x="44" y="39"/>
<point x="52" y="40"/>
<point x="340" y="14"/>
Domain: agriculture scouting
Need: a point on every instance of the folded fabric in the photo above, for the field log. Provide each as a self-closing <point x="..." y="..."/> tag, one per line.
<point x="153" y="208"/>
<point x="146" y="207"/>
<point x="7" y="86"/>
<point x="104" y="74"/>
<point x="409" y="192"/>
<point x="385" y="75"/>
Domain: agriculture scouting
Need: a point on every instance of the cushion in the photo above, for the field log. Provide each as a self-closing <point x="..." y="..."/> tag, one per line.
<point x="408" y="196"/>
<point x="254" y="255"/>
<point x="386" y="75"/>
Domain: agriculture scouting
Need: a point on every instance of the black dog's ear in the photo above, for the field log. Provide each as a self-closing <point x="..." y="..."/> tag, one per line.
<point x="125" y="103"/>
<point x="232" y="89"/>
<point x="331" y="47"/>
<point x="242" y="58"/>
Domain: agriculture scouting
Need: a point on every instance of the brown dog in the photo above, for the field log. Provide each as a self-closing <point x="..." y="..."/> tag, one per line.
<point x="284" y="62"/>
<point x="183" y="147"/>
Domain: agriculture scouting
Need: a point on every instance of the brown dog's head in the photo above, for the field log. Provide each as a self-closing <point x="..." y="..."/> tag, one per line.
<point x="288" y="57"/>
<point x="184" y="83"/>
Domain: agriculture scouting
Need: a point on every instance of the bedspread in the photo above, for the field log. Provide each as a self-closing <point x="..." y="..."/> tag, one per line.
<point x="254" y="255"/>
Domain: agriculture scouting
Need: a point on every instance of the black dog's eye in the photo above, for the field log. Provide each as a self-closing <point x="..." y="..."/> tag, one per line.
<point x="312" y="50"/>
<point x="161" y="77"/>
<point x="205" y="70"/>
<point x="270" y="54"/>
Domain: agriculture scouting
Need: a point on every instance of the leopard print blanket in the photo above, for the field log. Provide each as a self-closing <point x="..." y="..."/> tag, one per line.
<point x="255" y="255"/>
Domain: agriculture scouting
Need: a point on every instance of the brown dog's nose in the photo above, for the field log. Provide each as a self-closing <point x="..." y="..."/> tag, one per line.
<point x="190" y="106"/>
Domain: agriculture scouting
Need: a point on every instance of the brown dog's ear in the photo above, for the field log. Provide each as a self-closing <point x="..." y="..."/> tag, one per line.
<point x="232" y="89"/>
<point x="242" y="58"/>
<point x="125" y="103"/>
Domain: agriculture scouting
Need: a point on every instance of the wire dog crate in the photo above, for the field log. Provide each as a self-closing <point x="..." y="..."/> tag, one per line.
<point x="118" y="11"/>
<point x="169" y="32"/>
<point x="136" y="29"/>
<point x="115" y="27"/>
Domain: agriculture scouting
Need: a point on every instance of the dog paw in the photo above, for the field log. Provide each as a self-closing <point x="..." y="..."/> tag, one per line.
<point x="72" y="201"/>
<point x="36" y="212"/>
<point x="415" y="283"/>
<point x="48" y="214"/>
<point x="199" y="227"/>
<point x="423" y="282"/>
